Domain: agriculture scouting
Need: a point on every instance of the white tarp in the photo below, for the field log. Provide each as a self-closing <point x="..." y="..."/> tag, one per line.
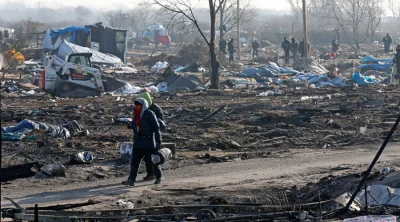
<point x="66" y="48"/>
<point x="383" y="194"/>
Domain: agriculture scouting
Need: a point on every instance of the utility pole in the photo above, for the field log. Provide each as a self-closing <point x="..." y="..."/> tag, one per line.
<point x="305" y="29"/>
<point x="238" y="29"/>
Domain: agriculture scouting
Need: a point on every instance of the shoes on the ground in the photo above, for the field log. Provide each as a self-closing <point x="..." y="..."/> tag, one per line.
<point x="128" y="182"/>
<point x="158" y="181"/>
<point x="149" y="177"/>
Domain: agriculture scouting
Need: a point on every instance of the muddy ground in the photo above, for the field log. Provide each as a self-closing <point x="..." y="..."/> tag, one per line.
<point x="246" y="127"/>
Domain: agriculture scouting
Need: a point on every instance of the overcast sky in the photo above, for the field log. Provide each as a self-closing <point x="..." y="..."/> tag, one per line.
<point x="113" y="4"/>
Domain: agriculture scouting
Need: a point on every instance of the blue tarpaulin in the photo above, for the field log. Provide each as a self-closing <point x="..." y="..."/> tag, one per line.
<point x="373" y="60"/>
<point x="377" y="67"/>
<point x="78" y="35"/>
<point x="363" y="80"/>
<point x="58" y="32"/>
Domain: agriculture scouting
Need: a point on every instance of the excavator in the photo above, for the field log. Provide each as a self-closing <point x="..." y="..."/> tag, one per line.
<point x="75" y="77"/>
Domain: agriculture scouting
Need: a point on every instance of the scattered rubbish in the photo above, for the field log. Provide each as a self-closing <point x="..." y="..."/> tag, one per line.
<point x="305" y="98"/>
<point x="125" y="150"/>
<point x="162" y="86"/>
<point x="159" y="67"/>
<point x="82" y="157"/>
<point x="385" y="171"/>
<point x="380" y="195"/>
<point x="372" y="218"/>
<point x="271" y="93"/>
<point x="126" y="204"/>
<point x="363" y="129"/>
<point x="51" y="170"/>
<point x="128" y="89"/>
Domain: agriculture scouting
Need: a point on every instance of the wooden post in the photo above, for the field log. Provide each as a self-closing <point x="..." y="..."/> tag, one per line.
<point x="238" y="29"/>
<point x="305" y="29"/>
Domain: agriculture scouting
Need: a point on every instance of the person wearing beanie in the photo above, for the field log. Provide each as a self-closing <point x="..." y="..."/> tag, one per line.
<point x="152" y="106"/>
<point x="159" y="114"/>
<point x="146" y="139"/>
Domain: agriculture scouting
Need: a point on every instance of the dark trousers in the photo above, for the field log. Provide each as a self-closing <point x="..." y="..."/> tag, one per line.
<point x="230" y="57"/>
<point x="137" y="156"/>
<point x="150" y="167"/>
<point x="387" y="47"/>
<point x="286" y="55"/>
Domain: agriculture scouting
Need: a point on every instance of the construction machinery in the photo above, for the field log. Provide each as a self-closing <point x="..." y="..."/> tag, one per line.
<point x="75" y="77"/>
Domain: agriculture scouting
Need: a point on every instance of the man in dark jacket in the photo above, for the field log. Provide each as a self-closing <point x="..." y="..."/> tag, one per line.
<point x="156" y="109"/>
<point x="146" y="139"/>
<point x="295" y="48"/>
<point x="286" y="45"/>
<point x="335" y="45"/>
<point x="222" y="46"/>
<point x="255" y="46"/>
<point x="231" y="50"/>
<point x="301" y="48"/>
<point x="387" y="41"/>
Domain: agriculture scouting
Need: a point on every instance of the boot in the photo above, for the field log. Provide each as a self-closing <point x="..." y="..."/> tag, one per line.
<point x="158" y="181"/>
<point x="129" y="182"/>
<point x="149" y="177"/>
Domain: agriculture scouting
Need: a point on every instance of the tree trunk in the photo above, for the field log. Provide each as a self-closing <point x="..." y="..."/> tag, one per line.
<point x="221" y="24"/>
<point x="212" y="46"/>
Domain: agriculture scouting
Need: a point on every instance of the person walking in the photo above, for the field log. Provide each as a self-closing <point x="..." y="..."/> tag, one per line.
<point x="335" y="45"/>
<point x="286" y="45"/>
<point x="231" y="50"/>
<point x="295" y="48"/>
<point x="156" y="109"/>
<point x="255" y="46"/>
<point x="387" y="41"/>
<point x="146" y="139"/>
<point x="222" y="46"/>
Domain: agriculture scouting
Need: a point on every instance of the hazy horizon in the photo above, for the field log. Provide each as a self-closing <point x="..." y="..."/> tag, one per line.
<point x="121" y="4"/>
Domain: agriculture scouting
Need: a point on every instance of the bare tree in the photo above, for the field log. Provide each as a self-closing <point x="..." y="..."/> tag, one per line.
<point x="117" y="19"/>
<point x="317" y="12"/>
<point x="350" y="15"/>
<point x="141" y="16"/>
<point x="394" y="6"/>
<point x="24" y="30"/>
<point x="228" y="15"/>
<point x="375" y="13"/>
<point x="184" y="8"/>
<point x="82" y="12"/>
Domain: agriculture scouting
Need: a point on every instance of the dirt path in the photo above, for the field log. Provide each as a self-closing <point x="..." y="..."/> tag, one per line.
<point x="243" y="173"/>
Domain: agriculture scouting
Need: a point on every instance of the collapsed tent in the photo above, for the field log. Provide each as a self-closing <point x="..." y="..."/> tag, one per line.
<point x="75" y="34"/>
<point x="66" y="48"/>
<point x="185" y="82"/>
<point x="110" y="40"/>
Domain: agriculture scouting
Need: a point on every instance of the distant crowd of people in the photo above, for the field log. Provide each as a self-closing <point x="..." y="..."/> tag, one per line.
<point x="288" y="47"/>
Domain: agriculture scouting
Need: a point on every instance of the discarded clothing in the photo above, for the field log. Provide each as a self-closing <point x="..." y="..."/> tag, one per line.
<point x="26" y="125"/>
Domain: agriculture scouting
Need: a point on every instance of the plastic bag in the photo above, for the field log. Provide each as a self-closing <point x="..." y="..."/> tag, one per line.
<point x="82" y="157"/>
